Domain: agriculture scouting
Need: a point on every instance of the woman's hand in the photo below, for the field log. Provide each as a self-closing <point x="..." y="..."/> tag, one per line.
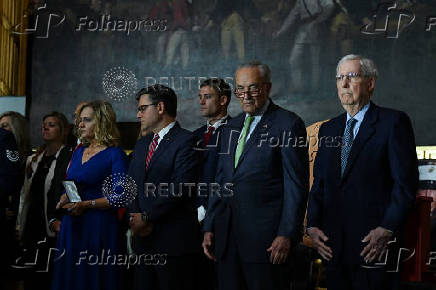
<point x="62" y="201"/>
<point x="78" y="208"/>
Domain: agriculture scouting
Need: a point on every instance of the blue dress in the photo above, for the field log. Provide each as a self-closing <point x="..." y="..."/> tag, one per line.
<point x="87" y="244"/>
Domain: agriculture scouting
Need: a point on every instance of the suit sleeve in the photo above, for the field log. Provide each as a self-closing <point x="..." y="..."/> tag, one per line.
<point x="403" y="164"/>
<point x="133" y="207"/>
<point x="185" y="169"/>
<point x="9" y="167"/>
<point x="295" y="183"/>
<point x="316" y="195"/>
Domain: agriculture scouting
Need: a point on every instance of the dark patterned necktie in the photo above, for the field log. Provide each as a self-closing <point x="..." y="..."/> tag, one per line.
<point x="151" y="150"/>
<point x="348" y="143"/>
<point x="208" y="134"/>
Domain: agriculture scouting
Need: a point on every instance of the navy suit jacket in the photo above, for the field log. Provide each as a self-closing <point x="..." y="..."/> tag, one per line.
<point x="269" y="185"/>
<point x="379" y="183"/>
<point x="209" y="160"/>
<point x="170" y="207"/>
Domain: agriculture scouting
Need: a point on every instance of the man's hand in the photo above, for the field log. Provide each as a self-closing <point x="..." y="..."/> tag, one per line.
<point x="318" y="240"/>
<point x="279" y="250"/>
<point x="138" y="226"/>
<point x="208" y="245"/>
<point x="378" y="243"/>
<point x="56" y="226"/>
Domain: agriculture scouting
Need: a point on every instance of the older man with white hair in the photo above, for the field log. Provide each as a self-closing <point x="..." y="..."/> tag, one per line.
<point x="362" y="190"/>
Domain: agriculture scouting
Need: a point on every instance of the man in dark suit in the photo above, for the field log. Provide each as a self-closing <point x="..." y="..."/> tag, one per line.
<point x="364" y="187"/>
<point x="214" y="98"/>
<point x="255" y="227"/>
<point x="163" y="215"/>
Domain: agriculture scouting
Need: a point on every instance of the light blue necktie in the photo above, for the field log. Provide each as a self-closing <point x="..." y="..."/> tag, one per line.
<point x="348" y="143"/>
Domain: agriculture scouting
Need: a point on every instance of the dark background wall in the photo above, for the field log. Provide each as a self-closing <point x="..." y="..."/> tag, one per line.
<point x="75" y="60"/>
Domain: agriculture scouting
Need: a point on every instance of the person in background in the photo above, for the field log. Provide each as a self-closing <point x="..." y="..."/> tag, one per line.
<point x="37" y="218"/>
<point x="10" y="175"/>
<point x="214" y="98"/>
<point x="91" y="228"/>
<point x="18" y="125"/>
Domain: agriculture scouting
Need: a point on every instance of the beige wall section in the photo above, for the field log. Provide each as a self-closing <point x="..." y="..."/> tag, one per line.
<point x="13" y="47"/>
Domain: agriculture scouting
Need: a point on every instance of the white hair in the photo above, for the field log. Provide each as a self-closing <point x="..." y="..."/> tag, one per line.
<point x="264" y="69"/>
<point x="366" y="65"/>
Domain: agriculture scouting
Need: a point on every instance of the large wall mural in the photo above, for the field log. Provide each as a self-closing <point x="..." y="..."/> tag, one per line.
<point x="97" y="49"/>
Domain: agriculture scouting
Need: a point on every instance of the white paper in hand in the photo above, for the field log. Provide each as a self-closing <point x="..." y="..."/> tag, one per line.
<point x="71" y="190"/>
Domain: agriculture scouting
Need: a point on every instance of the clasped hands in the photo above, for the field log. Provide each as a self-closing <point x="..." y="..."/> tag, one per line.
<point x="279" y="249"/>
<point x="138" y="226"/>
<point x="377" y="240"/>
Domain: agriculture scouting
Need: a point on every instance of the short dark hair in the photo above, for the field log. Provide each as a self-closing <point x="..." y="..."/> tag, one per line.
<point x="160" y="93"/>
<point x="220" y="86"/>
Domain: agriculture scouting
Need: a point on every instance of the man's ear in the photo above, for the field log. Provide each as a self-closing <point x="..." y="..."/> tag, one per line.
<point x="268" y="87"/>
<point x="160" y="108"/>
<point x="371" y="84"/>
<point x="223" y="100"/>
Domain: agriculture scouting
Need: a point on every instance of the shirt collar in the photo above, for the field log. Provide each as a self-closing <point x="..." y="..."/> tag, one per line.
<point x="217" y="123"/>
<point x="165" y="130"/>
<point x="360" y="115"/>
<point x="262" y="110"/>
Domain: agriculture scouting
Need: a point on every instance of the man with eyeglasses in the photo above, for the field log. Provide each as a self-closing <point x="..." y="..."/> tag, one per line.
<point x="251" y="233"/>
<point x="363" y="189"/>
<point x="163" y="216"/>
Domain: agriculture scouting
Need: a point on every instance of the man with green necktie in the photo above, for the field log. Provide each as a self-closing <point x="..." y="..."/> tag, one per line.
<point x="251" y="233"/>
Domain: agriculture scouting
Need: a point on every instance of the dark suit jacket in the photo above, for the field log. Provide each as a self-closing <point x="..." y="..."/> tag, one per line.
<point x="269" y="185"/>
<point x="10" y="175"/>
<point x="173" y="212"/>
<point x="379" y="183"/>
<point x="209" y="160"/>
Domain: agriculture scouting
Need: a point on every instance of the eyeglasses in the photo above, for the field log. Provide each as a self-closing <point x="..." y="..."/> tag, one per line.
<point x="351" y="76"/>
<point x="144" y="107"/>
<point x="253" y="91"/>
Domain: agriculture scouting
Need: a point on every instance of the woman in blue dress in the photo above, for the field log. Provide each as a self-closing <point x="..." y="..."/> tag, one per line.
<point x="88" y="238"/>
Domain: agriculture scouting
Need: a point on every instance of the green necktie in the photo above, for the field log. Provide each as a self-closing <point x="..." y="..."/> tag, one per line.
<point x="241" y="142"/>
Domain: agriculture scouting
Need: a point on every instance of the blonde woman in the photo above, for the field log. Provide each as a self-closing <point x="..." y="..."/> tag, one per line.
<point x="90" y="229"/>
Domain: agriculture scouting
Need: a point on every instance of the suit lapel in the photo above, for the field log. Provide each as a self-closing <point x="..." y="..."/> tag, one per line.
<point x="164" y="143"/>
<point x="366" y="130"/>
<point x="338" y="130"/>
<point x="262" y="127"/>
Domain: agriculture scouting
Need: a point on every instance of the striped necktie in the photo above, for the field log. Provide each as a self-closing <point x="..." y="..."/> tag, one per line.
<point x="151" y="150"/>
